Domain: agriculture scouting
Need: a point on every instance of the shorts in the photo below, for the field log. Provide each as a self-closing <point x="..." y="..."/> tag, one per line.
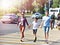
<point x="34" y="31"/>
<point x="46" y="29"/>
<point x="22" y="28"/>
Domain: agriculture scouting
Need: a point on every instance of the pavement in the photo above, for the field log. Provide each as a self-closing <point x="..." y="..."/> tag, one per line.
<point x="14" y="38"/>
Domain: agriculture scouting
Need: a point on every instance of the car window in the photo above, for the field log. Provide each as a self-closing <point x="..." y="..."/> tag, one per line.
<point x="5" y="17"/>
<point x="54" y="10"/>
<point x="37" y="14"/>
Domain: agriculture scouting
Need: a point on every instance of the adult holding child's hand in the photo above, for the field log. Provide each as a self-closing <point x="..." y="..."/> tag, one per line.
<point x="22" y="21"/>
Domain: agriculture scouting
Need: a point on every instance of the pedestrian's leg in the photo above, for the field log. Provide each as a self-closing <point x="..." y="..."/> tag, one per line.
<point x="23" y="29"/>
<point x="47" y="34"/>
<point x="46" y="37"/>
<point x="45" y="31"/>
<point x="53" y="24"/>
<point x="22" y="33"/>
<point x="35" y="35"/>
<point x="35" y="38"/>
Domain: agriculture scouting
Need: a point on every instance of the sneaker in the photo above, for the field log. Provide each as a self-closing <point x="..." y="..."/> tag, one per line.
<point x="35" y="39"/>
<point x="21" y="40"/>
<point x="46" y="41"/>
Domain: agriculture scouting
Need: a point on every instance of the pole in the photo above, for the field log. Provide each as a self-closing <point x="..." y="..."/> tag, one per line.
<point x="49" y="3"/>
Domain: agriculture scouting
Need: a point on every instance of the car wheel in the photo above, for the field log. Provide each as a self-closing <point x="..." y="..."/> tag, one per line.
<point x="3" y="22"/>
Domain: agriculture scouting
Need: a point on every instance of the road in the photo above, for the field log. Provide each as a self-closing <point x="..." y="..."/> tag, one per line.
<point x="8" y="28"/>
<point x="12" y="28"/>
<point x="9" y="35"/>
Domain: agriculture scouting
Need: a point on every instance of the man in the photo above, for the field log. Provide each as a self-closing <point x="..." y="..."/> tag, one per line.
<point x="52" y="20"/>
<point x="58" y="21"/>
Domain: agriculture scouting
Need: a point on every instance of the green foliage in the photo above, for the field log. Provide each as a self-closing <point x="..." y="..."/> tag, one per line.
<point x="55" y="3"/>
<point x="40" y="10"/>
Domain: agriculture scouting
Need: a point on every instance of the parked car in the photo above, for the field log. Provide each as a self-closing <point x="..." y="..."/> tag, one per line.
<point x="37" y="15"/>
<point x="9" y="18"/>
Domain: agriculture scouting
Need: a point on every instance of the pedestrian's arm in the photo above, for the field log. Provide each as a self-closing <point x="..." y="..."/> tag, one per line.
<point x="41" y="24"/>
<point x="27" y="23"/>
<point x="18" y="21"/>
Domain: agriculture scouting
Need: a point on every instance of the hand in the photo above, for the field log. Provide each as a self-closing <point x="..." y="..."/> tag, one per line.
<point x="40" y="26"/>
<point x="29" y="26"/>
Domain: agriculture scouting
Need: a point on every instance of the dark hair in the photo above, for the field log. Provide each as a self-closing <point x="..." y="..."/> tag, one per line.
<point x="36" y="18"/>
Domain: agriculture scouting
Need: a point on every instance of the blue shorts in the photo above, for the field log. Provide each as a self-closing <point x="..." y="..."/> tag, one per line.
<point x="46" y="29"/>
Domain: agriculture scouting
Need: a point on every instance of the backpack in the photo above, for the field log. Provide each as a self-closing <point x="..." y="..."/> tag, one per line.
<point x="52" y="16"/>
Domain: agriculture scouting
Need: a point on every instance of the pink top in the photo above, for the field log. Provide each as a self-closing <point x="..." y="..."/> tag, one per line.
<point x="22" y="21"/>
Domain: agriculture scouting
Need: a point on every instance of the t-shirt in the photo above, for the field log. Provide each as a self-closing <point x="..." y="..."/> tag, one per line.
<point x="46" y="20"/>
<point x="35" y="25"/>
<point x="23" y="21"/>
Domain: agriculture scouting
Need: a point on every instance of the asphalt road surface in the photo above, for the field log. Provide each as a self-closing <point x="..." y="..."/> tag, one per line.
<point x="12" y="28"/>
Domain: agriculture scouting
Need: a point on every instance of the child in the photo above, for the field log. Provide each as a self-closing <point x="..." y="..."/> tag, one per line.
<point x="46" y="24"/>
<point x="35" y="27"/>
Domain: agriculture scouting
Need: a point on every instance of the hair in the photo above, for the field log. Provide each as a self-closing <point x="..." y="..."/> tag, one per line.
<point x="36" y="18"/>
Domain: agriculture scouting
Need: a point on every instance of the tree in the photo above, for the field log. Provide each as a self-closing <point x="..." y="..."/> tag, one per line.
<point x="55" y="3"/>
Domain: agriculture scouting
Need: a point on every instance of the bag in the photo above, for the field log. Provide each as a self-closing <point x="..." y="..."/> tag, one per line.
<point x="53" y="17"/>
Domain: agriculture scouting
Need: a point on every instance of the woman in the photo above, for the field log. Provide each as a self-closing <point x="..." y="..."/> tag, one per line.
<point x="22" y="21"/>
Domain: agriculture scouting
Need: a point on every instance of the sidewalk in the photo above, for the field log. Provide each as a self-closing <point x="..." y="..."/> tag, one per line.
<point x="14" y="38"/>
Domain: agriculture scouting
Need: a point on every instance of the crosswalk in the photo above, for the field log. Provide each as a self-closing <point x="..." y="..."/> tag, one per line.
<point x="14" y="39"/>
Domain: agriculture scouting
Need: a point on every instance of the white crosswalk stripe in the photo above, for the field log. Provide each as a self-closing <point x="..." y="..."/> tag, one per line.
<point x="14" y="39"/>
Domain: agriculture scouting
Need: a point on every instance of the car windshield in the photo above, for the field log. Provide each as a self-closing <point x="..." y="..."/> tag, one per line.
<point x="12" y="15"/>
<point x="5" y="17"/>
<point x="37" y="14"/>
